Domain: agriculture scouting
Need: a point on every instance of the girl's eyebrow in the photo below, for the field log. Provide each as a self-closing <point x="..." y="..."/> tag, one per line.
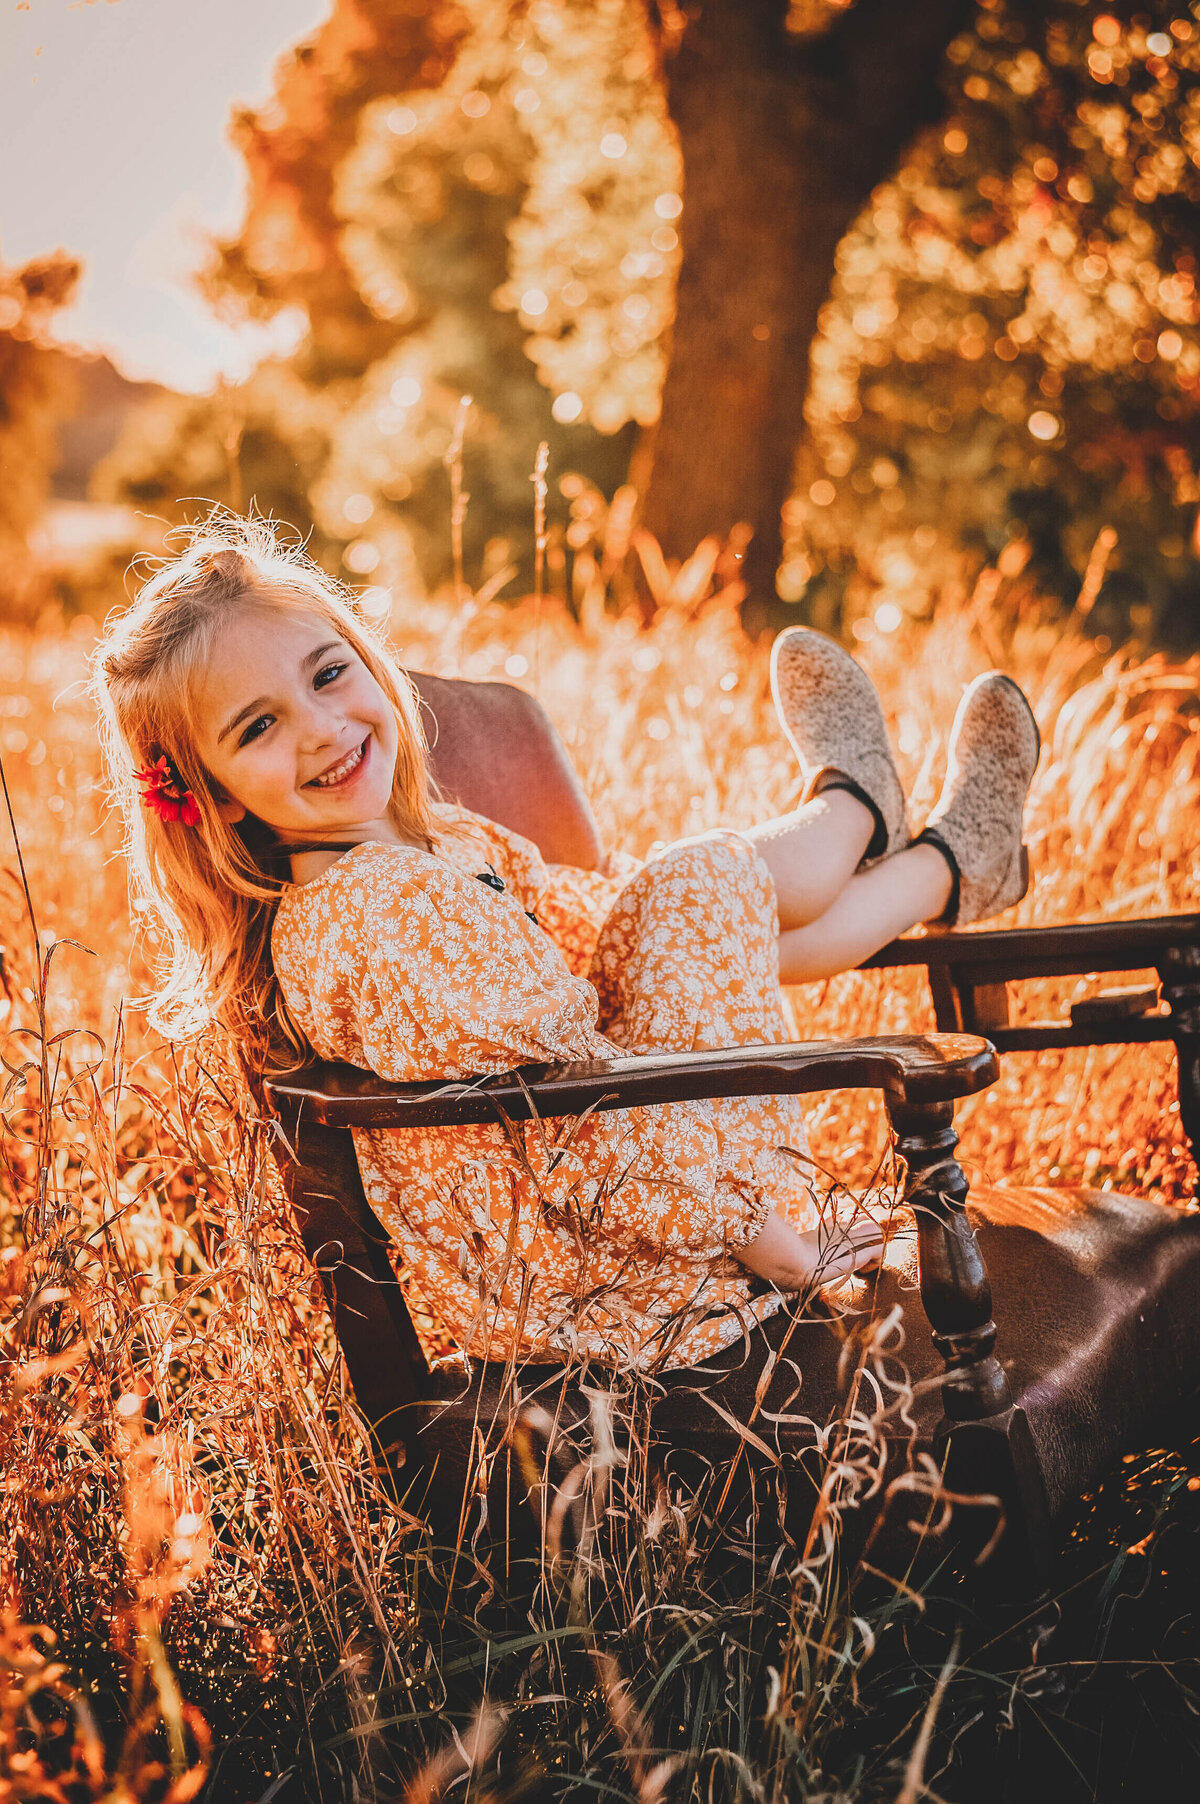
<point x="306" y="663"/>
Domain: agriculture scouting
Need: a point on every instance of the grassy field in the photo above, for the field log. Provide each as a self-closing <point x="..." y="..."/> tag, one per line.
<point x="189" y="1506"/>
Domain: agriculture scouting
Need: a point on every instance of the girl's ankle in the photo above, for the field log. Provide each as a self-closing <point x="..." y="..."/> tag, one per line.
<point x="834" y="779"/>
<point x="931" y="837"/>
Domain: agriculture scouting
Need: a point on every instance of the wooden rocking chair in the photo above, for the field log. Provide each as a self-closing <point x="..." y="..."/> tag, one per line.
<point x="1058" y="1335"/>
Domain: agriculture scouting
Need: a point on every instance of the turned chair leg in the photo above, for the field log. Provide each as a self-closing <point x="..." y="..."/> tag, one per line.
<point x="984" y="1437"/>
<point x="1179" y="975"/>
<point x="349" y="1249"/>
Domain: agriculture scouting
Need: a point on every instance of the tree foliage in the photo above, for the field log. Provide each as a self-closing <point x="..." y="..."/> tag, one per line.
<point x="1011" y="347"/>
<point x="386" y="177"/>
<point x="35" y="392"/>
<point x="489" y="197"/>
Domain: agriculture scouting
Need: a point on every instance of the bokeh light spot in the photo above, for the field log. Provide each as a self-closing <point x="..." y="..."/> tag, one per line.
<point x="362" y="557"/>
<point x="1043" y="426"/>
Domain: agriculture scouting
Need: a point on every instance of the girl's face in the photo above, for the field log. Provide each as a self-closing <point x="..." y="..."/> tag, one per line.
<point x="295" y="729"/>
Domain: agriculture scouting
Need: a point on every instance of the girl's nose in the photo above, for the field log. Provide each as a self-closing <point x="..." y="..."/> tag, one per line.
<point x="320" y="725"/>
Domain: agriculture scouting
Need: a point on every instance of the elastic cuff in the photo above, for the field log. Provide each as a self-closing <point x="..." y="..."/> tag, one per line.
<point x="746" y="1223"/>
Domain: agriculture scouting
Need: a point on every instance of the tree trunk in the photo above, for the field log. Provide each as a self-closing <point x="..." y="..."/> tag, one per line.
<point x="783" y="141"/>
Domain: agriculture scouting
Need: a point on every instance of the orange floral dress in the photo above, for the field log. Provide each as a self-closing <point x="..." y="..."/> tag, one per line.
<point x="612" y="1236"/>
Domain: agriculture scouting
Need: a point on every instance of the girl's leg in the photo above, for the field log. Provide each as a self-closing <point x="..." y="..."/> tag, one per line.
<point x="876" y="905"/>
<point x="688" y="961"/>
<point x="969" y="863"/>
<point x="813" y="852"/>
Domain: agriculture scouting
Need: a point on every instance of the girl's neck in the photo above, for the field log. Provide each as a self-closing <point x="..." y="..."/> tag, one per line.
<point x="311" y="859"/>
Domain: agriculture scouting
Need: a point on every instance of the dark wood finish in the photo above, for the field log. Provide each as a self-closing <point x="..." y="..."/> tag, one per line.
<point x="1046" y="1036"/>
<point x="983" y="1438"/>
<point x="1047" y="951"/>
<point x="969" y="973"/>
<point x="1114" y="1005"/>
<point x="955" y="1293"/>
<point x="1179" y="977"/>
<point x="344" y="1239"/>
<point x="918" y="1068"/>
<point x="348" y="1246"/>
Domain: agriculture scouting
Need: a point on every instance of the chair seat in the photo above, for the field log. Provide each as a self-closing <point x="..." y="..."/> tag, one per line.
<point x="1097" y="1297"/>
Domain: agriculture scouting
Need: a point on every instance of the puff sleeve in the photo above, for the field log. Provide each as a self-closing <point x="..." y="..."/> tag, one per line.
<point x="456" y="981"/>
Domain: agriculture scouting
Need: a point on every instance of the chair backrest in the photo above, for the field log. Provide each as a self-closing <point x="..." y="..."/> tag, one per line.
<point x="495" y="749"/>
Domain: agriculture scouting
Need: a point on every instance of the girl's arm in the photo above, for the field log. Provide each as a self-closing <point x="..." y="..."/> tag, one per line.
<point x="792" y="1260"/>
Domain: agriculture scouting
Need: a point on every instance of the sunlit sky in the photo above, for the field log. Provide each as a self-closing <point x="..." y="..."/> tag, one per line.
<point x="114" y="145"/>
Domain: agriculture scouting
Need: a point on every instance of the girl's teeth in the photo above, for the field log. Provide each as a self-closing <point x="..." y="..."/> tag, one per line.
<point x="340" y="770"/>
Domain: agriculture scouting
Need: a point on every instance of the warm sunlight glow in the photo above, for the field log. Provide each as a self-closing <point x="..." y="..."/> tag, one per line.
<point x="114" y="140"/>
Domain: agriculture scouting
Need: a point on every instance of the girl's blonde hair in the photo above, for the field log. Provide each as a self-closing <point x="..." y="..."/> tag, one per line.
<point x="211" y="886"/>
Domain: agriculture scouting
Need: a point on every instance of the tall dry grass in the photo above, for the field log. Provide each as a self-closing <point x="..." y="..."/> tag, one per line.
<point x="189" y="1505"/>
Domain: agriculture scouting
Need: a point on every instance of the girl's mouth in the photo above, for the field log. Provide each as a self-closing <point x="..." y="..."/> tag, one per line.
<point x="344" y="771"/>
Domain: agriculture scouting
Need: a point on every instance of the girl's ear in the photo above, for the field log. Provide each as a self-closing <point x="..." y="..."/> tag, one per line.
<point x="230" y="811"/>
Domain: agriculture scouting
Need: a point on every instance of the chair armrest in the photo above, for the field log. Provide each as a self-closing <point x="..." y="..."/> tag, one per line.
<point x="996" y="954"/>
<point x="911" y="1069"/>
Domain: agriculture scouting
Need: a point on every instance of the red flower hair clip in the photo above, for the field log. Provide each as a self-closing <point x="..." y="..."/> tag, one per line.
<point x="163" y="793"/>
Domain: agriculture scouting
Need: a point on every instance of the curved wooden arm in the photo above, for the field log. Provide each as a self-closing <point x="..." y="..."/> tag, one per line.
<point x="910" y="1068"/>
<point x="1056" y="951"/>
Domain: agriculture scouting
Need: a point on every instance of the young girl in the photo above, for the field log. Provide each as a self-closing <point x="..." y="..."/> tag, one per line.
<point x="268" y="756"/>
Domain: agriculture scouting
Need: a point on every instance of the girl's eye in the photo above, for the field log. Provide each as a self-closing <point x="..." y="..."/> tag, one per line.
<point x="256" y="729"/>
<point x="329" y="675"/>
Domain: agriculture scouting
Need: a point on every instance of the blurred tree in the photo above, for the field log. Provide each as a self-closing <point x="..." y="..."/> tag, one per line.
<point x="385" y="176"/>
<point x="268" y="440"/>
<point x="430" y="196"/>
<point x="788" y="117"/>
<point x="264" y="440"/>
<point x="1011" y="350"/>
<point x="595" y="250"/>
<point x="978" y="268"/>
<point x="289" y="250"/>
<point x="35" y="393"/>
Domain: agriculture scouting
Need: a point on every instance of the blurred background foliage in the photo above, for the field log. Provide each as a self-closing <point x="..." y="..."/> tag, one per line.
<point x="35" y="392"/>
<point x="873" y="296"/>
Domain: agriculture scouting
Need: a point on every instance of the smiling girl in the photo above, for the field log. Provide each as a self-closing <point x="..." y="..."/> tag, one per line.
<point x="318" y="898"/>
